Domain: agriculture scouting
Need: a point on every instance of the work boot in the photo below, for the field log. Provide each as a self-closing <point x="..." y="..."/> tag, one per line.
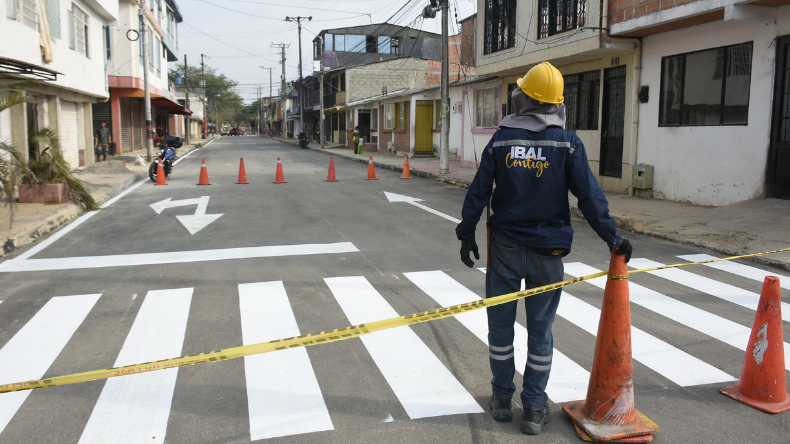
<point x="501" y="409"/>
<point x="533" y="420"/>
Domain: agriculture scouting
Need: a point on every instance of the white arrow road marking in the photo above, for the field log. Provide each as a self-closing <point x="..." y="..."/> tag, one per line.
<point x="392" y="197"/>
<point x="193" y="223"/>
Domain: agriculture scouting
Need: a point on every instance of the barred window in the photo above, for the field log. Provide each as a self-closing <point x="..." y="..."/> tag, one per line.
<point x="79" y="30"/>
<point x="582" y="93"/>
<point x="558" y="16"/>
<point x="487" y="108"/>
<point x="53" y="17"/>
<point x="12" y="9"/>
<point x="500" y="25"/>
<point x="705" y="88"/>
<point x="30" y="13"/>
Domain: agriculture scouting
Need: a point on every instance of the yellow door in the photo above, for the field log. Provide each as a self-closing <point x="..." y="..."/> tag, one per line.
<point x="423" y="134"/>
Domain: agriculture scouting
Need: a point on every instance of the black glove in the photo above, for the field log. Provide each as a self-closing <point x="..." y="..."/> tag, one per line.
<point x="626" y="249"/>
<point x="465" y="249"/>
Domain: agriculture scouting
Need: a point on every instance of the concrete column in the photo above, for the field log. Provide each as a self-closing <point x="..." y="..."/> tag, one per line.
<point x="87" y="118"/>
<point x="81" y="141"/>
<point x="53" y="113"/>
<point x="115" y="116"/>
<point x="19" y="129"/>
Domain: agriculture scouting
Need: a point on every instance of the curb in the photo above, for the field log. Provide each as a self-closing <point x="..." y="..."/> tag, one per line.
<point x="630" y="225"/>
<point x="38" y="231"/>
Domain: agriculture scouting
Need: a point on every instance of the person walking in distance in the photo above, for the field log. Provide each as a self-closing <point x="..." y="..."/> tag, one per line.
<point x="534" y="162"/>
<point x="101" y="141"/>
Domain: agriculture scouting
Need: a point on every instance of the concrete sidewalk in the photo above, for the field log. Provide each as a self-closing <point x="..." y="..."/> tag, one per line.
<point x="752" y="226"/>
<point x="33" y="221"/>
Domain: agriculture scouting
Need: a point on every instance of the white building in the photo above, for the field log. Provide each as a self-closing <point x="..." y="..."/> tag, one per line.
<point x="61" y="45"/>
<point x="124" y="113"/>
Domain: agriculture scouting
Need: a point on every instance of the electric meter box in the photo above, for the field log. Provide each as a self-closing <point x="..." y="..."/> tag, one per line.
<point x="642" y="176"/>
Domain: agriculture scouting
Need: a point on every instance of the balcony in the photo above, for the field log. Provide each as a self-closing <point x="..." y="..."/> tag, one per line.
<point x="335" y="99"/>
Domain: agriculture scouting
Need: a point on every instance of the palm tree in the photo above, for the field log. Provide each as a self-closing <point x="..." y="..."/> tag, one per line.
<point x="13" y="168"/>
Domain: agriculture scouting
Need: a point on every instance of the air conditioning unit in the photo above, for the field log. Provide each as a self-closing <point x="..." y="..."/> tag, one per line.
<point x="642" y="176"/>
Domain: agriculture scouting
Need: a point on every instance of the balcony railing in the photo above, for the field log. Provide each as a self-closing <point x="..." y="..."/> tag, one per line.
<point x="335" y="99"/>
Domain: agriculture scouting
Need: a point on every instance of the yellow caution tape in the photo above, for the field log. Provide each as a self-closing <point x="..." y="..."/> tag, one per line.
<point x="324" y="336"/>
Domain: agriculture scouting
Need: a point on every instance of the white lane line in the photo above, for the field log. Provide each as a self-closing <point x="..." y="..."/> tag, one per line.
<point x="704" y="322"/>
<point x="423" y="385"/>
<point x="52" y="239"/>
<point x="30" y="353"/>
<point x="187" y="155"/>
<point x="663" y="358"/>
<point x="135" y="408"/>
<point x="738" y="269"/>
<point x="127" y="191"/>
<point x="174" y="257"/>
<point x="282" y="391"/>
<point x="568" y="380"/>
<point x="729" y="293"/>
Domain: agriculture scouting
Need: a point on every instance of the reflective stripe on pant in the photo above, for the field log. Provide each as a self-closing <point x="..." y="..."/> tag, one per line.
<point x="510" y="263"/>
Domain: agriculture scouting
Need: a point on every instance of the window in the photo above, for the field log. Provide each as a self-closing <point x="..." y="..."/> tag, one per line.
<point x="12" y="9"/>
<point x="487" y="108"/>
<point x="389" y="115"/>
<point x="329" y="42"/>
<point x="582" y="93"/>
<point x="401" y="112"/>
<point x="342" y="82"/>
<point x="354" y="43"/>
<point x="107" y="42"/>
<point x="508" y="107"/>
<point x="158" y="57"/>
<point x="384" y="44"/>
<point x="371" y="44"/>
<point x="374" y="119"/>
<point x="79" y="31"/>
<point x="500" y="25"/>
<point x="53" y="17"/>
<point x="150" y="43"/>
<point x="558" y="16"/>
<point x="705" y="88"/>
<point x="30" y="13"/>
<point x="395" y="46"/>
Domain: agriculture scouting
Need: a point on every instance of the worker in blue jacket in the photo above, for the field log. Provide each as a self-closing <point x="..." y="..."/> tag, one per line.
<point x="534" y="162"/>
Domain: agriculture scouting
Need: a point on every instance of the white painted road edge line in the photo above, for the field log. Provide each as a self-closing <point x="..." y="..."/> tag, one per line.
<point x="71" y="263"/>
<point x="50" y="240"/>
<point x="186" y="155"/>
<point x="127" y="191"/>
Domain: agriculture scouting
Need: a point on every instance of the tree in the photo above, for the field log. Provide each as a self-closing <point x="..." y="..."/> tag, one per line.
<point x="13" y="168"/>
<point x="219" y="91"/>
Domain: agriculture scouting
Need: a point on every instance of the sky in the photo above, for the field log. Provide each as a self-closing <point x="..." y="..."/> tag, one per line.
<point x="236" y="35"/>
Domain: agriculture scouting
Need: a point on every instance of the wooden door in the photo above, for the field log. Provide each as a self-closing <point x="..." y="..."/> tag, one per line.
<point x="778" y="177"/>
<point x="423" y="130"/>
<point x="613" y="122"/>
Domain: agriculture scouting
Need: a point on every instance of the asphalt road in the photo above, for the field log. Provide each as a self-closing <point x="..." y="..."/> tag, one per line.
<point x="65" y="310"/>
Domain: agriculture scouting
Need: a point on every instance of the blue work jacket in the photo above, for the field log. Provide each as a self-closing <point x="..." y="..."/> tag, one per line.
<point x="533" y="172"/>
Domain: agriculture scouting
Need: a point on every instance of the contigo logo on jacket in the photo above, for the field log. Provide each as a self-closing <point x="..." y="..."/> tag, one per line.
<point x="521" y="156"/>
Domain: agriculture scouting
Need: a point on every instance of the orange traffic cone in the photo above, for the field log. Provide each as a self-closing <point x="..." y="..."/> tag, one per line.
<point x="763" y="384"/>
<point x="331" y="176"/>
<point x="160" y="174"/>
<point x="608" y="413"/>
<point x="279" y="177"/>
<point x="371" y="170"/>
<point x="406" y="171"/>
<point x="203" y="174"/>
<point x="242" y="174"/>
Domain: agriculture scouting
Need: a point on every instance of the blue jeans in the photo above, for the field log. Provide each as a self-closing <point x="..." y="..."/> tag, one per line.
<point x="510" y="263"/>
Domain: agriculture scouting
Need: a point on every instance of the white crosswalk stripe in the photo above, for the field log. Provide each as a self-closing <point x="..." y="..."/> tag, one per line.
<point x="695" y="318"/>
<point x="282" y="391"/>
<point x="135" y="408"/>
<point x="423" y="385"/>
<point x="46" y="333"/>
<point x="568" y="381"/>
<point x="737" y="269"/>
<point x="729" y="293"/>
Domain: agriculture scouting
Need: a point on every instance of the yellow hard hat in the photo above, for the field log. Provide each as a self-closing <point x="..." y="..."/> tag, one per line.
<point x="543" y="83"/>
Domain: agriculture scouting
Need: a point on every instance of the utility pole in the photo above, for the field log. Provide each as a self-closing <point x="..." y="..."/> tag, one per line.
<point x="301" y="85"/>
<point x="258" y="111"/>
<point x="282" y="47"/>
<point x="270" y="86"/>
<point x="186" y="102"/>
<point x="321" y="93"/>
<point x="205" y="96"/>
<point x="444" y="140"/>
<point x="149" y="134"/>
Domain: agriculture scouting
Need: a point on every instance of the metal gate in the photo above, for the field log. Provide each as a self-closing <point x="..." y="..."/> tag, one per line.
<point x="613" y="122"/>
<point x="69" y="133"/>
<point x="138" y="125"/>
<point x="778" y="177"/>
<point x="126" y="125"/>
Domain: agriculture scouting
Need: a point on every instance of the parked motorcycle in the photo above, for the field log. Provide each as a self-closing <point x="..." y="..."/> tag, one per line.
<point x="303" y="140"/>
<point x="167" y="154"/>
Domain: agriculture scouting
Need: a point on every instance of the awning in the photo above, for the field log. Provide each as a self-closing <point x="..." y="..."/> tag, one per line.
<point x="171" y="107"/>
<point x="18" y="67"/>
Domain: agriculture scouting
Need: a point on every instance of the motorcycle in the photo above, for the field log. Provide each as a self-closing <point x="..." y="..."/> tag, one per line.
<point x="303" y="140"/>
<point x="317" y="137"/>
<point x="167" y="155"/>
